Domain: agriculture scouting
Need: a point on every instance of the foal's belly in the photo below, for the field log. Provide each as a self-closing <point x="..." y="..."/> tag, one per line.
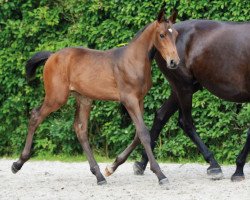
<point x="99" y="85"/>
<point x="96" y="90"/>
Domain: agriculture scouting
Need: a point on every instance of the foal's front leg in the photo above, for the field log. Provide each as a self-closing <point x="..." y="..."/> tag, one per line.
<point x="132" y="105"/>
<point x="169" y="107"/>
<point x="121" y="158"/>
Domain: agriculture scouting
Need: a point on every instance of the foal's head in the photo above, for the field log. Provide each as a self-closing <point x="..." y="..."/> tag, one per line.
<point x="165" y="37"/>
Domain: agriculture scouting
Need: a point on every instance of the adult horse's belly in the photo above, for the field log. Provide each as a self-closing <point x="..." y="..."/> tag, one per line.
<point x="222" y="65"/>
<point x="225" y="89"/>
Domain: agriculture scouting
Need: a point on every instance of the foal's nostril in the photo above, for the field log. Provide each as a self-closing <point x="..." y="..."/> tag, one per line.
<point x="172" y="64"/>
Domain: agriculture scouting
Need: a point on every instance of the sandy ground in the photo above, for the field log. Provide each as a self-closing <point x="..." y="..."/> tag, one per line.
<point x="58" y="180"/>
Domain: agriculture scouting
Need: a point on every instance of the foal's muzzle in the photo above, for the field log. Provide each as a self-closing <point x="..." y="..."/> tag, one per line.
<point x="173" y="64"/>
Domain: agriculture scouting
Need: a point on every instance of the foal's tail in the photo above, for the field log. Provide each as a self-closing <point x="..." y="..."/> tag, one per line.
<point x="34" y="62"/>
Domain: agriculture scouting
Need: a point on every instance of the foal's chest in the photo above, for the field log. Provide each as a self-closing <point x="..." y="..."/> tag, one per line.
<point x="133" y="78"/>
<point x="142" y="81"/>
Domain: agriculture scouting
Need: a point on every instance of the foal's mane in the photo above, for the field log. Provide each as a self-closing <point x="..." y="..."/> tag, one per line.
<point x="137" y="35"/>
<point x="152" y="52"/>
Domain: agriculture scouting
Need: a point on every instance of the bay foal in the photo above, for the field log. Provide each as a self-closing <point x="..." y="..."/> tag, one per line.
<point x="122" y="74"/>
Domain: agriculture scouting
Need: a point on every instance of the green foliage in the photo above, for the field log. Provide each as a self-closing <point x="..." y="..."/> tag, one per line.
<point x="30" y="26"/>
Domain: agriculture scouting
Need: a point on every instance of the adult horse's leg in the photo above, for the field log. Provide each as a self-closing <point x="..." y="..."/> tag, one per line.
<point x="133" y="107"/>
<point x="186" y="123"/>
<point x="169" y="107"/>
<point x="241" y="160"/>
<point x="81" y="129"/>
<point x="37" y="116"/>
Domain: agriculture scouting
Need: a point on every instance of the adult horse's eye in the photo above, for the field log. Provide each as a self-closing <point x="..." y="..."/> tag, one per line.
<point x="161" y="35"/>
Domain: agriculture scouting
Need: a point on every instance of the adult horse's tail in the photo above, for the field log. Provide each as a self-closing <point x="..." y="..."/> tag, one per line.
<point x="34" y="62"/>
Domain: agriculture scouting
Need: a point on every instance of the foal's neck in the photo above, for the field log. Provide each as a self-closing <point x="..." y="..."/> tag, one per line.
<point x="143" y="45"/>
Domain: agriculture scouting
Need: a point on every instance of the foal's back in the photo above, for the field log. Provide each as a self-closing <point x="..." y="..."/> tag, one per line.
<point x="217" y="54"/>
<point x="86" y="71"/>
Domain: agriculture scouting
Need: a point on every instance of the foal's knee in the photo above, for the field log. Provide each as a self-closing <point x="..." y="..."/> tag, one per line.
<point x="34" y="116"/>
<point x="145" y="137"/>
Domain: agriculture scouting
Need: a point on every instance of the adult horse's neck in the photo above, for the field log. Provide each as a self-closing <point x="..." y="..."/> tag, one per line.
<point x="143" y="44"/>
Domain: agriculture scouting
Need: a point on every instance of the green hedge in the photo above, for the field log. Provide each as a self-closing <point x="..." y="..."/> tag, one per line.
<point x="28" y="26"/>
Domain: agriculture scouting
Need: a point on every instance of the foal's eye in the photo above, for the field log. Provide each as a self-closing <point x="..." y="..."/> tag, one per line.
<point x="161" y="35"/>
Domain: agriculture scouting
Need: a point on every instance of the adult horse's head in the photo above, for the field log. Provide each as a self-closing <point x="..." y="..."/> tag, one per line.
<point x="165" y="37"/>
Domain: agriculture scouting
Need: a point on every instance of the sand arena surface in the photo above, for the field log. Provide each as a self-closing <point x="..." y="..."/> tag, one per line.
<point x="59" y="180"/>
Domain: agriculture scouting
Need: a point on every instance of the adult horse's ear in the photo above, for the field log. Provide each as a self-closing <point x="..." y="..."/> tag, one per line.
<point x="173" y="17"/>
<point x="161" y="15"/>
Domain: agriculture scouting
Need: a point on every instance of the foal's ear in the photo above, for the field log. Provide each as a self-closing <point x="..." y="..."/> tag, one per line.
<point x="161" y="15"/>
<point x="173" y="17"/>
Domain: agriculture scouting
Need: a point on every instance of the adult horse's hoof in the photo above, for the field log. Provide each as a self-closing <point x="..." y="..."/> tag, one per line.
<point x="215" y="173"/>
<point x="138" y="169"/>
<point x="103" y="182"/>
<point x="108" y="171"/>
<point x="164" y="183"/>
<point x="237" y="178"/>
<point x="15" y="167"/>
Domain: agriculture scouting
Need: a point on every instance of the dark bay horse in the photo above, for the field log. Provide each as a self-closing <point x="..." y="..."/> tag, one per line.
<point x="214" y="55"/>
<point x="122" y="74"/>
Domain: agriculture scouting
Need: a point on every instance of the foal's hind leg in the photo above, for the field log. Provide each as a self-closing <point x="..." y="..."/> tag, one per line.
<point x="241" y="160"/>
<point x="37" y="116"/>
<point x="121" y="158"/>
<point x="56" y="96"/>
<point x="81" y="128"/>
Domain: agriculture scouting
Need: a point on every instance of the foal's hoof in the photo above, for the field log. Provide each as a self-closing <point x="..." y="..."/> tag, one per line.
<point x="15" y="167"/>
<point x="108" y="171"/>
<point x="237" y="178"/>
<point x="103" y="182"/>
<point x="215" y="173"/>
<point x="164" y="183"/>
<point x="138" y="169"/>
